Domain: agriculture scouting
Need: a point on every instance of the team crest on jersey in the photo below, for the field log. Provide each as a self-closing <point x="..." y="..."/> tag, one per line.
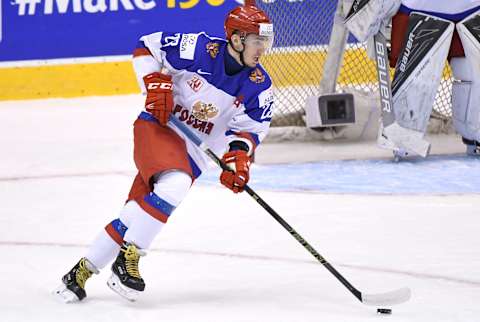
<point x="257" y="76"/>
<point x="212" y="49"/>
<point x="204" y="111"/>
<point x="195" y="83"/>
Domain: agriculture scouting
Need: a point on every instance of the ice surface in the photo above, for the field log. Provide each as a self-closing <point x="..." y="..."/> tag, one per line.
<point x="65" y="170"/>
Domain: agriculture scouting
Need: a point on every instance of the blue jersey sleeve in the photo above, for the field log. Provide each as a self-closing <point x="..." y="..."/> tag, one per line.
<point x="177" y="51"/>
<point x="251" y="123"/>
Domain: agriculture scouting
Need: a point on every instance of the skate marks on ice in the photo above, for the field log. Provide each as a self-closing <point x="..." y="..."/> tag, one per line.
<point x="213" y="264"/>
<point x="187" y="252"/>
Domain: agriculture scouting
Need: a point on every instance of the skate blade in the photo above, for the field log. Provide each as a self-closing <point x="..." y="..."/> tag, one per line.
<point x="64" y="295"/>
<point x="399" y="154"/>
<point x="125" y="292"/>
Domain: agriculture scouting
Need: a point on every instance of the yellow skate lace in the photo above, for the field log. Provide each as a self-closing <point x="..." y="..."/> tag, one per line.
<point x="82" y="274"/>
<point x="132" y="256"/>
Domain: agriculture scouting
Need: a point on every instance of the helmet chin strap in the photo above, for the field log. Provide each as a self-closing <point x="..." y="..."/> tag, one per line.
<point x="242" y="39"/>
<point x="241" y="58"/>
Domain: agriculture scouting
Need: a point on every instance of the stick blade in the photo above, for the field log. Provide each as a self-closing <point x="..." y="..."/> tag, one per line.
<point x="389" y="298"/>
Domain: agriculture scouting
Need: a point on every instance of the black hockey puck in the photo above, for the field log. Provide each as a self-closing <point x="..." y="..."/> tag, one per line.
<point x="384" y="311"/>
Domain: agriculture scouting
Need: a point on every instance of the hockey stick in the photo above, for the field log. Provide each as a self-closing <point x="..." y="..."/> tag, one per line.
<point x="394" y="297"/>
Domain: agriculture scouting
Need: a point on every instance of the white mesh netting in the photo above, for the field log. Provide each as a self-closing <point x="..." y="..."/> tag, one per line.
<point x="302" y="34"/>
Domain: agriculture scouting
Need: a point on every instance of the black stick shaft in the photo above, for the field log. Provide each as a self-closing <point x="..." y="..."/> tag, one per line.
<point x="269" y="209"/>
<point x="303" y="242"/>
<point x="290" y="229"/>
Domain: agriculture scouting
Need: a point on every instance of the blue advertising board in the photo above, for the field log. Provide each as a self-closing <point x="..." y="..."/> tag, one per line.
<point x="48" y="29"/>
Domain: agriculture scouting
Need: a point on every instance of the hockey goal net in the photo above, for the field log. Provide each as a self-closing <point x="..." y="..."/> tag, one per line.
<point x="303" y="32"/>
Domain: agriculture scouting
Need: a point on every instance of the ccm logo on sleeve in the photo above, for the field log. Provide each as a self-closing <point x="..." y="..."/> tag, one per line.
<point x="160" y="85"/>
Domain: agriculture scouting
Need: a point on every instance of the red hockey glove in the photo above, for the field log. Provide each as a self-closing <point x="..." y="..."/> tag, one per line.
<point x="159" y="100"/>
<point x="239" y="161"/>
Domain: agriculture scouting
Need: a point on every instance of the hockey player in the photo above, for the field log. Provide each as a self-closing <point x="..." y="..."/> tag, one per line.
<point x="217" y="88"/>
<point x="424" y="34"/>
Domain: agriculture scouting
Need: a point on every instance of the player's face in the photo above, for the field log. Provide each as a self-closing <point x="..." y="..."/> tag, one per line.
<point x="255" y="47"/>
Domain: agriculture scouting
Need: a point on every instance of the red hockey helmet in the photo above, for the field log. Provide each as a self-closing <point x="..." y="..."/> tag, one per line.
<point x="249" y="20"/>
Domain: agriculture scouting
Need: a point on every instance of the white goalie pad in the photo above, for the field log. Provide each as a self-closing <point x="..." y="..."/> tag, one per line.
<point x="466" y="86"/>
<point x="402" y="141"/>
<point x="417" y="76"/>
<point x="419" y="69"/>
<point x="366" y="17"/>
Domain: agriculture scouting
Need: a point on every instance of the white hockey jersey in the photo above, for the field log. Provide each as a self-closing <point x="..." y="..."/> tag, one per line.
<point x="217" y="107"/>
<point x="448" y="9"/>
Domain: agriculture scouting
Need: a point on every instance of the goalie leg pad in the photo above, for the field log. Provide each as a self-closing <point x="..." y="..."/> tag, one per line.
<point x="466" y="87"/>
<point x="461" y="94"/>
<point x="417" y="76"/>
<point x="402" y="141"/>
<point x="419" y="69"/>
<point x="366" y="17"/>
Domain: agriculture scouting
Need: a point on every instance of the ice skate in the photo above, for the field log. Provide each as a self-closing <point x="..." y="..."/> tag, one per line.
<point x="73" y="287"/>
<point x="473" y="150"/>
<point x="473" y="147"/>
<point x="399" y="154"/>
<point x="125" y="279"/>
